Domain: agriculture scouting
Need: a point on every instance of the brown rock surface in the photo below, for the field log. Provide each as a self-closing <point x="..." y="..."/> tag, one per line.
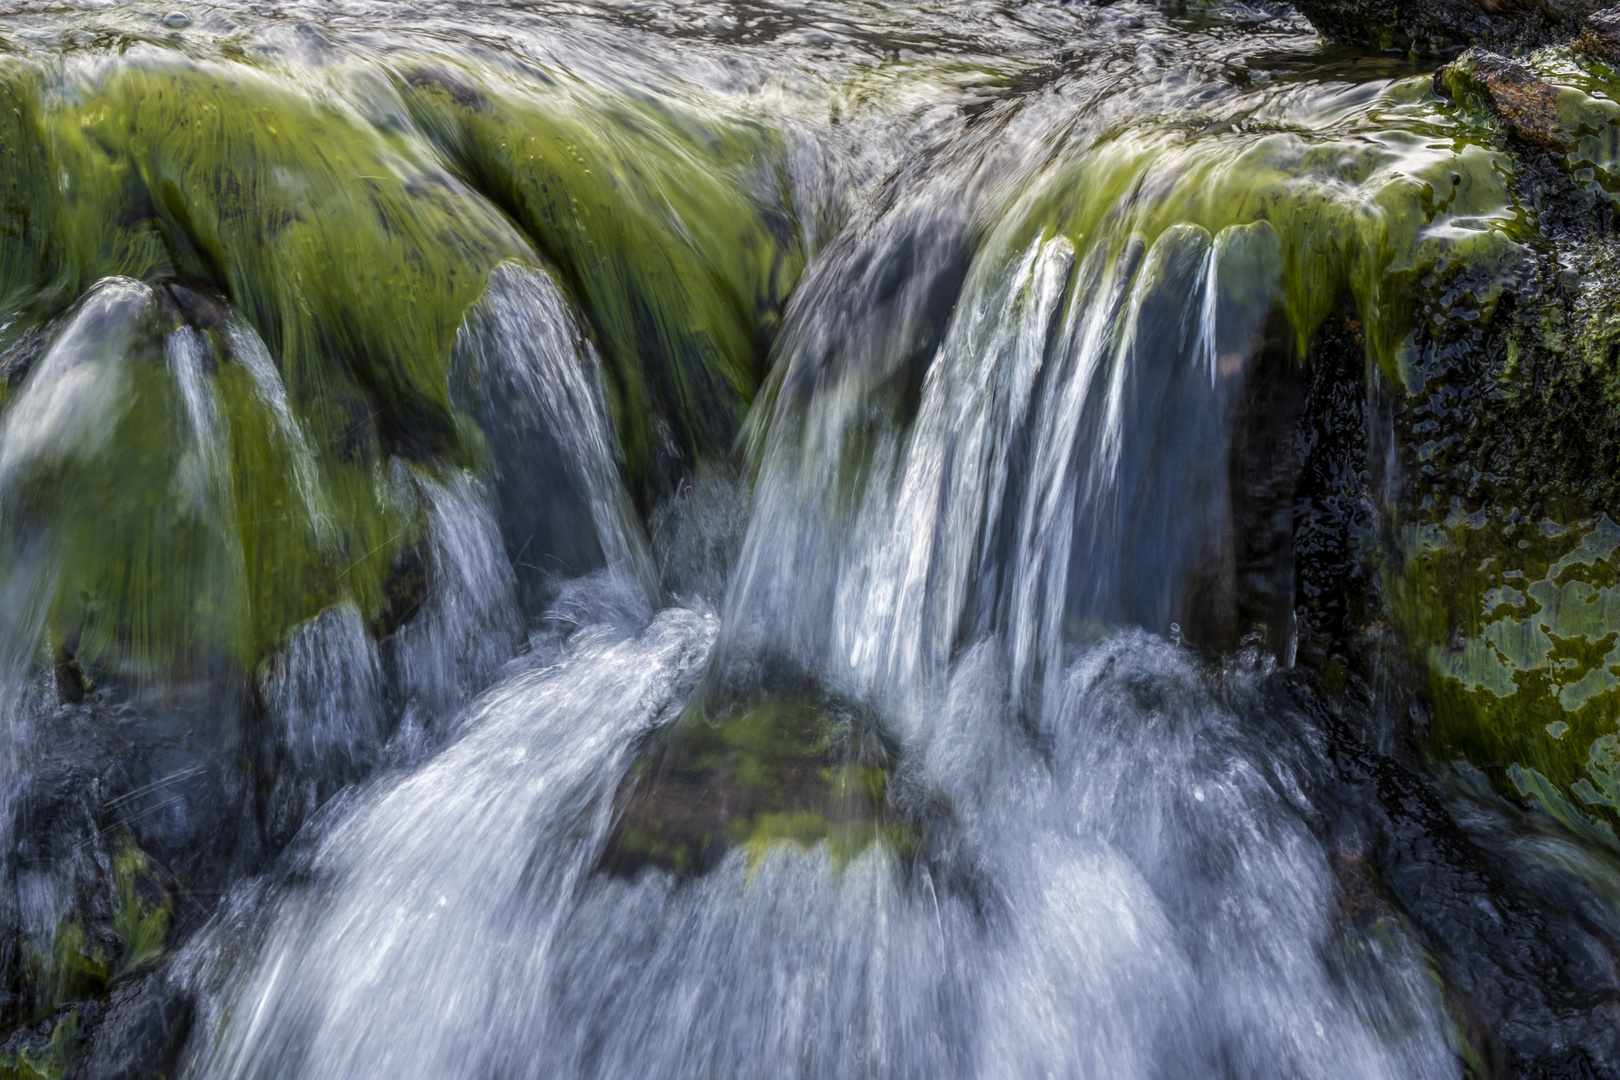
<point x="1526" y="103"/>
<point x="1600" y="37"/>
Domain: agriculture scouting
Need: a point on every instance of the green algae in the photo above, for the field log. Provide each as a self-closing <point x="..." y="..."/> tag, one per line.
<point x="118" y="926"/>
<point x="51" y="1061"/>
<point x="1369" y="202"/>
<point x="182" y="537"/>
<point x="795" y="770"/>
<point x="350" y="252"/>
<point x="1506" y="583"/>
<point x="1523" y="624"/>
<point x="141" y="913"/>
<point x="672" y="228"/>
<point x="343" y="247"/>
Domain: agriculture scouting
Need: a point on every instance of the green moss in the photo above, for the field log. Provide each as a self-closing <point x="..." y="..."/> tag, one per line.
<point x="1522" y="621"/>
<point x="671" y="227"/>
<point x="1367" y="202"/>
<point x="346" y="238"/>
<point x="796" y="770"/>
<point x="49" y="1058"/>
<point x="142" y="911"/>
<point x="119" y="925"/>
<point x="344" y="246"/>
<point x="348" y="248"/>
<point x="73" y="967"/>
<point x="27" y="206"/>
<point x="1507" y="581"/>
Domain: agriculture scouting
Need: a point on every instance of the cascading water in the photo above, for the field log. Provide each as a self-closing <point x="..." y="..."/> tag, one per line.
<point x="722" y="540"/>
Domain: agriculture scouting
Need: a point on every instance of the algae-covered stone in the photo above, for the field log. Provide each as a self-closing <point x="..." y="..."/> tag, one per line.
<point x="48" y="1052"/>
<point x="672" y="228"/>
<point x="1506" y="580"/>
<point x="1525" y="685"/>
<point x="1526" y="103"/>
<point x="799" y="768"/>
<point x="118" y="923"/>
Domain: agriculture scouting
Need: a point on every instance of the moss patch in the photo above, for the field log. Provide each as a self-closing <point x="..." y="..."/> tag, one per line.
<point x="796" y="769"/>
<point x="671" y="226"/>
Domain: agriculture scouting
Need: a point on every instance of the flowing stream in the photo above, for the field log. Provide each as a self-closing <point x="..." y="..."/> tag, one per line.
<point x="710" y="539"/>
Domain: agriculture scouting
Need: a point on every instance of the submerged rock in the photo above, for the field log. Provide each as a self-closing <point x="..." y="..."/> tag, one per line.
<point x="797" y="768"/>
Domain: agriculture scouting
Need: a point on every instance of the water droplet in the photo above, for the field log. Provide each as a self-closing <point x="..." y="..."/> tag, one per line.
<point x="1198" y="793"/>
<point x="177" y="19"/>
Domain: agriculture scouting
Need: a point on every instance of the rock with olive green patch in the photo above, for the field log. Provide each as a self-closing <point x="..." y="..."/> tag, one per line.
<point x="1525" y="103"/>
<point x="49" y="1050"/>
<point x="797" y="768"/>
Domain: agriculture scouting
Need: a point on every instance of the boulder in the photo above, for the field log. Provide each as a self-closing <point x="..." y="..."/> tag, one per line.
<point x="1438" y="26"/>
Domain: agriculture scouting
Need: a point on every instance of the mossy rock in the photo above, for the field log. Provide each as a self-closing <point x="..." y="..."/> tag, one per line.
<point x="120" y="925"/>
<point x="797" y="768"/>
<point x="1506" y="576"/>
<point x="347" y="243"/>
<point x="49" y="1052"/>
<point x="672" y="227"/>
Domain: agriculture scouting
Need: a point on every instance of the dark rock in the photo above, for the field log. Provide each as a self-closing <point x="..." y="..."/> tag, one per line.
<point x="1527" y="956"/>
<point x="132" y="821"/>
<point x="1600" y="37"/>
<point x="142" y="1034"/>
<point x="1525" y="103"/>
<point x="1438" y="26"/>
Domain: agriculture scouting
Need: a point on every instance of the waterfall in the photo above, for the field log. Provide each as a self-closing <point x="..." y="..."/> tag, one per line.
<point x="573" y="540"/>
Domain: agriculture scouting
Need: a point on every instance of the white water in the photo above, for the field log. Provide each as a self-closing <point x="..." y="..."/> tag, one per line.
<point x="1133" y="892"/>
<point x="1123" y="875"/>
<point x="1125" y="880"/>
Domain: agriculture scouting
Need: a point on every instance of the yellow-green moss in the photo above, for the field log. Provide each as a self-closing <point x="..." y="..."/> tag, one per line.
<point x="793" y="769"/>
<point x="672" y="228"/>
<point x="1367" y="201"/>
<point x="53" y="1063"/>
<point x="346" y="237"/>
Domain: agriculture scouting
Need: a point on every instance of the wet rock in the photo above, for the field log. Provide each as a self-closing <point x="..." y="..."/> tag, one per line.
<point x="126" y="822"/>
<point x="797" y="768"/>
<point x="1600" y="37"/>
<point x="52" y="1048"/>
<point x="142" y="1033"/>
<point x="1522" y="944"/>
<point x="1525" y="103"/>
<point x="1439" y="26"/>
